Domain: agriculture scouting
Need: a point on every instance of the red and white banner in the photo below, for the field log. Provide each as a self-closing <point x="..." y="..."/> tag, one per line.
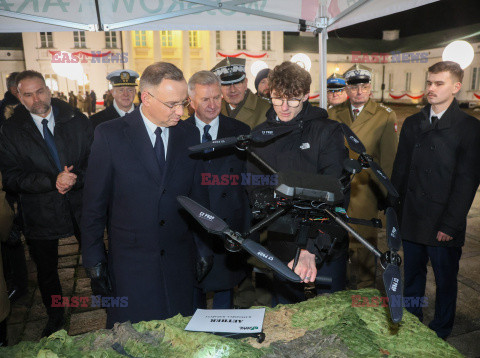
<point x="242" y="53"/>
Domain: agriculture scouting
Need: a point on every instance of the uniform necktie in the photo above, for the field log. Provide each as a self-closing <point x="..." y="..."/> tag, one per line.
<point x="48" y="136"/>
<point x="355" y="113"/>
<point x="434" y="120"/>
<point x="159" y="148"/>
<point x="206" y="137"/>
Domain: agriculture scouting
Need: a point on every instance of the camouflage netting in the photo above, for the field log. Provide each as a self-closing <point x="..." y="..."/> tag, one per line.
<point x="325" y="326"/>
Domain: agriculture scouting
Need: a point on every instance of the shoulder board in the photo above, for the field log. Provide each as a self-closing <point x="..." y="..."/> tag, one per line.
<point x="388" y="109"/>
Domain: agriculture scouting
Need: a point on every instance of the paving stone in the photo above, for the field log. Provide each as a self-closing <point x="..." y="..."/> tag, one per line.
<point x="18" y="314"/>
<point x="37" y="312"/>
<point x="67" y="261"/>
<point x="83" y="287"/>
<point x="87" y="321"/>
<point x="68" y="250"/>
<point x="66" y="274"/>
<point x="467" y="343"/>
<point x="68" y="241"/>
<point x="81" y="272"/>
<point x="33" y="330"/>
<point x="14" y="333"/>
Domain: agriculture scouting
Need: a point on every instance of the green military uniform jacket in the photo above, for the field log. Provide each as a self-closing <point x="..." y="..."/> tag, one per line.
<point x="253" y="111"/>
<point x="376" y="127"/>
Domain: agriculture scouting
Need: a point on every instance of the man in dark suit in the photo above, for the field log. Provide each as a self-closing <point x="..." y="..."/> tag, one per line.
<point x="230" y="201"/>
<point x="436" y="172"/>
<point x="44" y="149"/>
<point x="138" y="166"/>
<point x="123" y="90"/>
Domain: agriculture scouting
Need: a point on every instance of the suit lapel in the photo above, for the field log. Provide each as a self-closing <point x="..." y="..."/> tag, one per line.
<point x="174" y="148"/>
<point x="365" y="115"/>
<point x="142" y="145"/>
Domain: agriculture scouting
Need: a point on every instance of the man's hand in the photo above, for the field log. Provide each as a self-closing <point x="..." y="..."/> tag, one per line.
<point x="203" y="267"/>
<point x="66" y="180"/>
<point x="99" y="280"/>
<point x="443" y="237"/>
<point x="306" y="268"/>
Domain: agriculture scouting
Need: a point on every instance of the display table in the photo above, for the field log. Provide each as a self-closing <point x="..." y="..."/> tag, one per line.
<point x="344" y="324"/>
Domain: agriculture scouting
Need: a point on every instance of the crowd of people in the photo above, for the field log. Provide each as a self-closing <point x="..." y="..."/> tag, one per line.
<point x="119" y="172"/>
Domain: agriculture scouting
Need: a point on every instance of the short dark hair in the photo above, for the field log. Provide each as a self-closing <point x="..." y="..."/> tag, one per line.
<point x="157" y="72"/>
<point x="289" y="80"/>
<point x="28" y="74"/>
<point x="448" y="66"/>
<point x="11" y="80"/>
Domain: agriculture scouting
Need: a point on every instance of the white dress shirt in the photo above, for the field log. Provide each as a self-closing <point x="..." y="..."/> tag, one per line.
<point x="120" y="112"/>
<point x="213" y="131"/>
<point x="38" y="122"/>
<point x="439" y="115"/>
<point x="151" y="127"/>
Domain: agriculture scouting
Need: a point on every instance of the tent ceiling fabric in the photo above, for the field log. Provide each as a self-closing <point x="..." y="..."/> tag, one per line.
<point x="266" y="15"/>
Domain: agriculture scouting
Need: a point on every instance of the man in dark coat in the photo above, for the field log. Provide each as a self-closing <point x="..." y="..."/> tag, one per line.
<point x="44" y="150"/>
<point x="231" y="200"/>
<point x="93" y="96"/>
<point x="436" y="172"/>
<point x="315" y="145"/>
<point x="138" y="166"/>
<point x="10" y="98"/>
<point x="123" y="92"/>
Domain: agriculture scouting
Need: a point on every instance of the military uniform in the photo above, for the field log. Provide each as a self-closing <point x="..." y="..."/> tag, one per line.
<point x="376" y="127"/>
<point x="253" y="111"/>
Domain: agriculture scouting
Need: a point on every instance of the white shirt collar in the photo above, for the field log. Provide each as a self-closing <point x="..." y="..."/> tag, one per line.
<point x="359" y="108"/>
<point x="120" y="112"/>
<point x="151" y="127"/>
<point x="214" y="124"/>
<point x="438" y="115"/>
<point x="38" y="121"/>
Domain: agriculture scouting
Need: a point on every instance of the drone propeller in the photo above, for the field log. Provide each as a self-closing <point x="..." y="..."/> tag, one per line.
<point x="357" y="146"/>
<point x="257" y="136"/>
<point x="393" y="232"/>
<point x="214" y="225"/>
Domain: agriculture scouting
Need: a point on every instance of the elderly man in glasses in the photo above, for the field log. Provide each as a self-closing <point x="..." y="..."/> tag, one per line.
<point x="138" y="166"/>
<point x="376" y="126"/>
<point x="336" y="90"/>
<point x="124" y="84"/>
<point x="238" y="101"/>
<point x="316" y="145"/>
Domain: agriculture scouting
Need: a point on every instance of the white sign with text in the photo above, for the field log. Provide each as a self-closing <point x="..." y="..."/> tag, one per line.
<point x="227" y="321"/>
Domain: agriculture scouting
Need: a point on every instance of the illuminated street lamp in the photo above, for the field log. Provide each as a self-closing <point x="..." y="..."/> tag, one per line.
<point x="302" y="60"/>
<point x="460" y="52"/>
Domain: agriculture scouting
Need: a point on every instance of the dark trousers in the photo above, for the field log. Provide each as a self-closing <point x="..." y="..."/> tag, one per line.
<point x="45" y="255"/>
<point x="445" y="263"/>
<point x="221" y="299"/>
<point x="286" y="292"/>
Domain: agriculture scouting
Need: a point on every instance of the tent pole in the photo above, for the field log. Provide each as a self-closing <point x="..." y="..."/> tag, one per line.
<point x="322" y="21"/>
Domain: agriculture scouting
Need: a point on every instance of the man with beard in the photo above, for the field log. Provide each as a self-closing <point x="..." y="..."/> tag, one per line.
<point x="315" y="145"/>
<point x="436" y="172"/>
<point x="230" y="201"/>
<point x="261" y="84"/>
<point x="10" y="98"/>
<point x="124" y="83"/>
<point x="376" y="126"/>
<point x="238" y="101"/>
<point x="44" y="149"/>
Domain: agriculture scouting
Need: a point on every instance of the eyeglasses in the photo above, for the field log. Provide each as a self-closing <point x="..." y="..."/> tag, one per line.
<point x="363" y="87"/>
<point x="172" y="106"/>
<point x="337" y="90"/>
<point x="292" y="102"/>
<point x="128" y="90"/>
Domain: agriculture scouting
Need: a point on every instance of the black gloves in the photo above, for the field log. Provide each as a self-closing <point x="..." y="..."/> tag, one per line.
<point x="99" y="279"/>
<point x="203" y="266"/>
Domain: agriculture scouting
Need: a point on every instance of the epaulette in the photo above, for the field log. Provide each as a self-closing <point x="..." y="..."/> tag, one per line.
<point x="388" y="109"/>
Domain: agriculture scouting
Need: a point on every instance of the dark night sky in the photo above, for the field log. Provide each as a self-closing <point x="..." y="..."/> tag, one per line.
<point x="441" y="15"/>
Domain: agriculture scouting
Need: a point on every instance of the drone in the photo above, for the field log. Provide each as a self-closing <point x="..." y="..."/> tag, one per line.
<point x="300" y="202"/>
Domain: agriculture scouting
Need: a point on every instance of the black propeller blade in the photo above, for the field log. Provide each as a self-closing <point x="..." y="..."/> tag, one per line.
<point x="264" y="135"/>
<point x="261" y="253"/>
<point x="393" y="232"/>
<point x="214" y="144"/>
<point x="357" y="146"/>
<point x="215" y="225"/>
<point x="205" y="217"/>
<point x="392" y="281"/>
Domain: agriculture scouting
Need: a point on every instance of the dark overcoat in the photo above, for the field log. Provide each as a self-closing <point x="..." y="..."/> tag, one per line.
<point x="230" y="202"/>
<point x="107" y="114"/>
<point x="436" y="172"/>
<point x="29" y="170"/>
<point x="150" y="245"/>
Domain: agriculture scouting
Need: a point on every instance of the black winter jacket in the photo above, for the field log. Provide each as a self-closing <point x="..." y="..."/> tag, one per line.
<point x="316" y="146"/>
<point x="29" y="170"/>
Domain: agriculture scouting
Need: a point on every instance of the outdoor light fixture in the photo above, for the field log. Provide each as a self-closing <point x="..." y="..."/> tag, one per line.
<point x="460" y="52"/>
<point x="257" y="66"/>
<point x="302" y="60"/>
<point x="66" y="65"/>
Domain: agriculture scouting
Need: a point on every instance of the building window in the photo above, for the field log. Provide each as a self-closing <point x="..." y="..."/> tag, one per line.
<point x="241" y="40"/>
<point x="167" y="38"/>
<point x="52" y="82"/>
<point x="475" y="84"/>
<point x="194" y="39"/>
<point x="266" y="41"/>
<point x="46" y="39"/>
<point x="110" y="39"/>
<point x="408" y="80"/>
<point x="79" y="39"/>
<point x="217" y="40"/>
<point x="140" y="38"/>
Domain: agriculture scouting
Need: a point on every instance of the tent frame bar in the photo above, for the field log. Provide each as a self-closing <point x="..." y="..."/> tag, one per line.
<point x="49" y="21"/>
<point x="347" y="11"/>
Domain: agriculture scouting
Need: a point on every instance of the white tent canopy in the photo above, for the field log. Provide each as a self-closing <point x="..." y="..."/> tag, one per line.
<point x="259" y="15"/>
